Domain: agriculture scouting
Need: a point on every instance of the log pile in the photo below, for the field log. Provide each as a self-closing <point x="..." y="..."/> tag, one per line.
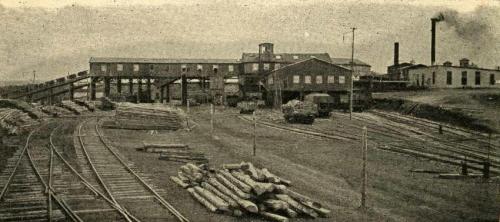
<point x="147" y="117"/>
<point x="86" y="104"/>
<point x="243" y="189"/>
<point x="55" y="111"/>
<point x="73" y="107"/>
<point x="175" y="152"/>
<point x="14" y="121"/>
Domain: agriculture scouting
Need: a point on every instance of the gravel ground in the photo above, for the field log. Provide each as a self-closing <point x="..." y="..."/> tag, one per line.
<point x="326" y="170"/>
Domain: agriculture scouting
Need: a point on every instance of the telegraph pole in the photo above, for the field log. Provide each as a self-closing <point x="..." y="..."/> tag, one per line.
<point x="352" y="75"/>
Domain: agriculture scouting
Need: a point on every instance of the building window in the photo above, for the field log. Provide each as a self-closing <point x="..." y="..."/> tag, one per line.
<point x="270" y="80"/>
<point x="319" y="79"/>
<point x="184" y="68"/>
<point x="215" y="68"/>
<point x="136" y="67"/>
<point x="478" y="78"/>
<point x="278" y="56"/>
<point x="433" y="78"/>
<point x="295" y="57"/>
<point x="255" y="67"/>
<point x="151" y="67"/>
<point x="464" y="78"/>
<point x="449" y="77"/>
<point x="423" y="79"/>
<point x="230" y="68"/>
<point x="119" y="67"/>
<point x="103" y="68"/>
<point x="307" y="79"/>
<point x="199" y="67"/>
<point x="492" y="79"/>
<point x="330" y="79"/>
<point x="266" y="66"/>
<point x="341" y="79"/>
<point x="296" y="79"/>
<point x="277" y="66"/>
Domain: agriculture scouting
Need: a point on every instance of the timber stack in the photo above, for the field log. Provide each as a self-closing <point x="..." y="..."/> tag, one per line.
<point x="243" y="189"/>
<point x="147" y="117"/>
<point x="15" y="122"/>
<point x="175" y="152"/>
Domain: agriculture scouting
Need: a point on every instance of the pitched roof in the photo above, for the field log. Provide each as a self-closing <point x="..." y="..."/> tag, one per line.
<point x="347" y="61"/>
<point x="304" y="61"/>
<point x="286" y="57"/>
<point x="159" y="60"/>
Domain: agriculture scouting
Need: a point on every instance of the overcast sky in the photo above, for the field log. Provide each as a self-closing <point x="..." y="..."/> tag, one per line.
<point x="55" y="37"/>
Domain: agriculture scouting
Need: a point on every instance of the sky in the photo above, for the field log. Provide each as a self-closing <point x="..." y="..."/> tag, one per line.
<point x="57" y="37"/>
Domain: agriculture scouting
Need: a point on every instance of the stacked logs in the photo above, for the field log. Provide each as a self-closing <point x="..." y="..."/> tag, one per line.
<point x="14" y="121"/>
<point x="148" y="117"/>
<point x="243" y="189"/>
<point x="73" y="107"/>
<point x="175" y="152"/>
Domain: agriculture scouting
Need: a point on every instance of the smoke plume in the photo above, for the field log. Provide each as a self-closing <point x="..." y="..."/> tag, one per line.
<point x="474" y="27"/>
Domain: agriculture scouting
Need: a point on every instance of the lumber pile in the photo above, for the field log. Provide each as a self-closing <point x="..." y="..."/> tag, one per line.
<point x="73" y="107"/>
<point x="86" y="104"/>
<point x="148" y="117"/>
<point x="175" y="152"/>
<point x="15" y="122"/>
<point x="55" y="111"/>
<point x="21" y="105"/>
<point x="243" y="189"/>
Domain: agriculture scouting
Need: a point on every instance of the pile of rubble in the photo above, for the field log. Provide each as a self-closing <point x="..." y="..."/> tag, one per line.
<point x="239" y="189"/>
<point x="147" y="117"/>
<point x="175" y="152"/>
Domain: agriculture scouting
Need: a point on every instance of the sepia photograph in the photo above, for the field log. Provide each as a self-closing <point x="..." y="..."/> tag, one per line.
<point x="250" y="110"/>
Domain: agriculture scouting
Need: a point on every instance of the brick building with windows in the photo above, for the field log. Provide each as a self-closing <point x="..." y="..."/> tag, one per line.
<point x="448" y="76"/>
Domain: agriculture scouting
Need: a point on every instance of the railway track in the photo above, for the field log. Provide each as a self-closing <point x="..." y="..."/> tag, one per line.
<point x="119" y="180"/>
<point x="24" y="195"/>
<point x="395" y="139"/>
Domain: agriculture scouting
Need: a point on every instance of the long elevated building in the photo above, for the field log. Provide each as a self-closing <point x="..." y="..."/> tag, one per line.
<point x="161" y="73"/>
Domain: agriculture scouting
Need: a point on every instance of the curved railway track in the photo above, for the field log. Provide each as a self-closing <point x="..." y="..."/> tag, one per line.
<point x="394" y="138"/>
<point x="25" y="196"/>
<point x="120" y="180"/>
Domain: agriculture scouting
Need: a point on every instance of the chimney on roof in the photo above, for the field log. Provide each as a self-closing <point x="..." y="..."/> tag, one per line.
<point x="434" y="21"/>
<point x="396" y="53"/>
<point x="464" y="62"/>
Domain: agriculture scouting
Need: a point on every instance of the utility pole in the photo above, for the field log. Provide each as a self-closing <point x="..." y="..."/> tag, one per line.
<point x="34" y="76"/>
<point x="364" y="148"/>
<point x="352" y="75"/>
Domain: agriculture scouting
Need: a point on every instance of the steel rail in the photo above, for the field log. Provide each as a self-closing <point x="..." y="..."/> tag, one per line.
<point x="300" y="131"/>
<point x="99" y="178"/>
<point x="70" y="213"/>
<point x="84" y="181"/>
<point x="4" y="190"/>
<point x="157" y="196"/>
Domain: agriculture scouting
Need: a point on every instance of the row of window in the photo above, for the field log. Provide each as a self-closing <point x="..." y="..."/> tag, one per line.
<point x="477" y="79"/>
<point x="294" y="56"/>
<point x="184" y="68"/>
<point x="318" y="79"/>
<point x="266" y="66"/>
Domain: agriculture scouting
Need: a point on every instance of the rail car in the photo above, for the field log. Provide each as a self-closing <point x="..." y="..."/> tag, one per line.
<point x="82" y="73"/>
<point x="72" y="76"/>
<point x="60" y="80"/>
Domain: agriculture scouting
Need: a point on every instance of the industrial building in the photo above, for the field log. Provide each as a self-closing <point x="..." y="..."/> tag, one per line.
<point x="212" y="73"/>
<point x="465" y="75"/>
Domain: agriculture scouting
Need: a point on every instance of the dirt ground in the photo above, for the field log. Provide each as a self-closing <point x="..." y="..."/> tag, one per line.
<point x="329" y="171"/>
<point x="483" y="104"/>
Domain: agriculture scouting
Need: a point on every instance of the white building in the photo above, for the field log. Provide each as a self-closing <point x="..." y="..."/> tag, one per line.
<point x="448" y="76"/>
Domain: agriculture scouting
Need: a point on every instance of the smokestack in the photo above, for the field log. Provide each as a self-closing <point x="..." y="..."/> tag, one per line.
<point x="433" y="36"/>
<point x="396" y="53"/>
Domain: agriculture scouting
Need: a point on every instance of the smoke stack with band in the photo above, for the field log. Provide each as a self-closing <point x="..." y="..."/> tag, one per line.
<point x="434" y="20"/>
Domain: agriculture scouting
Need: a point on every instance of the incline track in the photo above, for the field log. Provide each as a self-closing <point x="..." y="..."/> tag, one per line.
<point x="119" y="180"/>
